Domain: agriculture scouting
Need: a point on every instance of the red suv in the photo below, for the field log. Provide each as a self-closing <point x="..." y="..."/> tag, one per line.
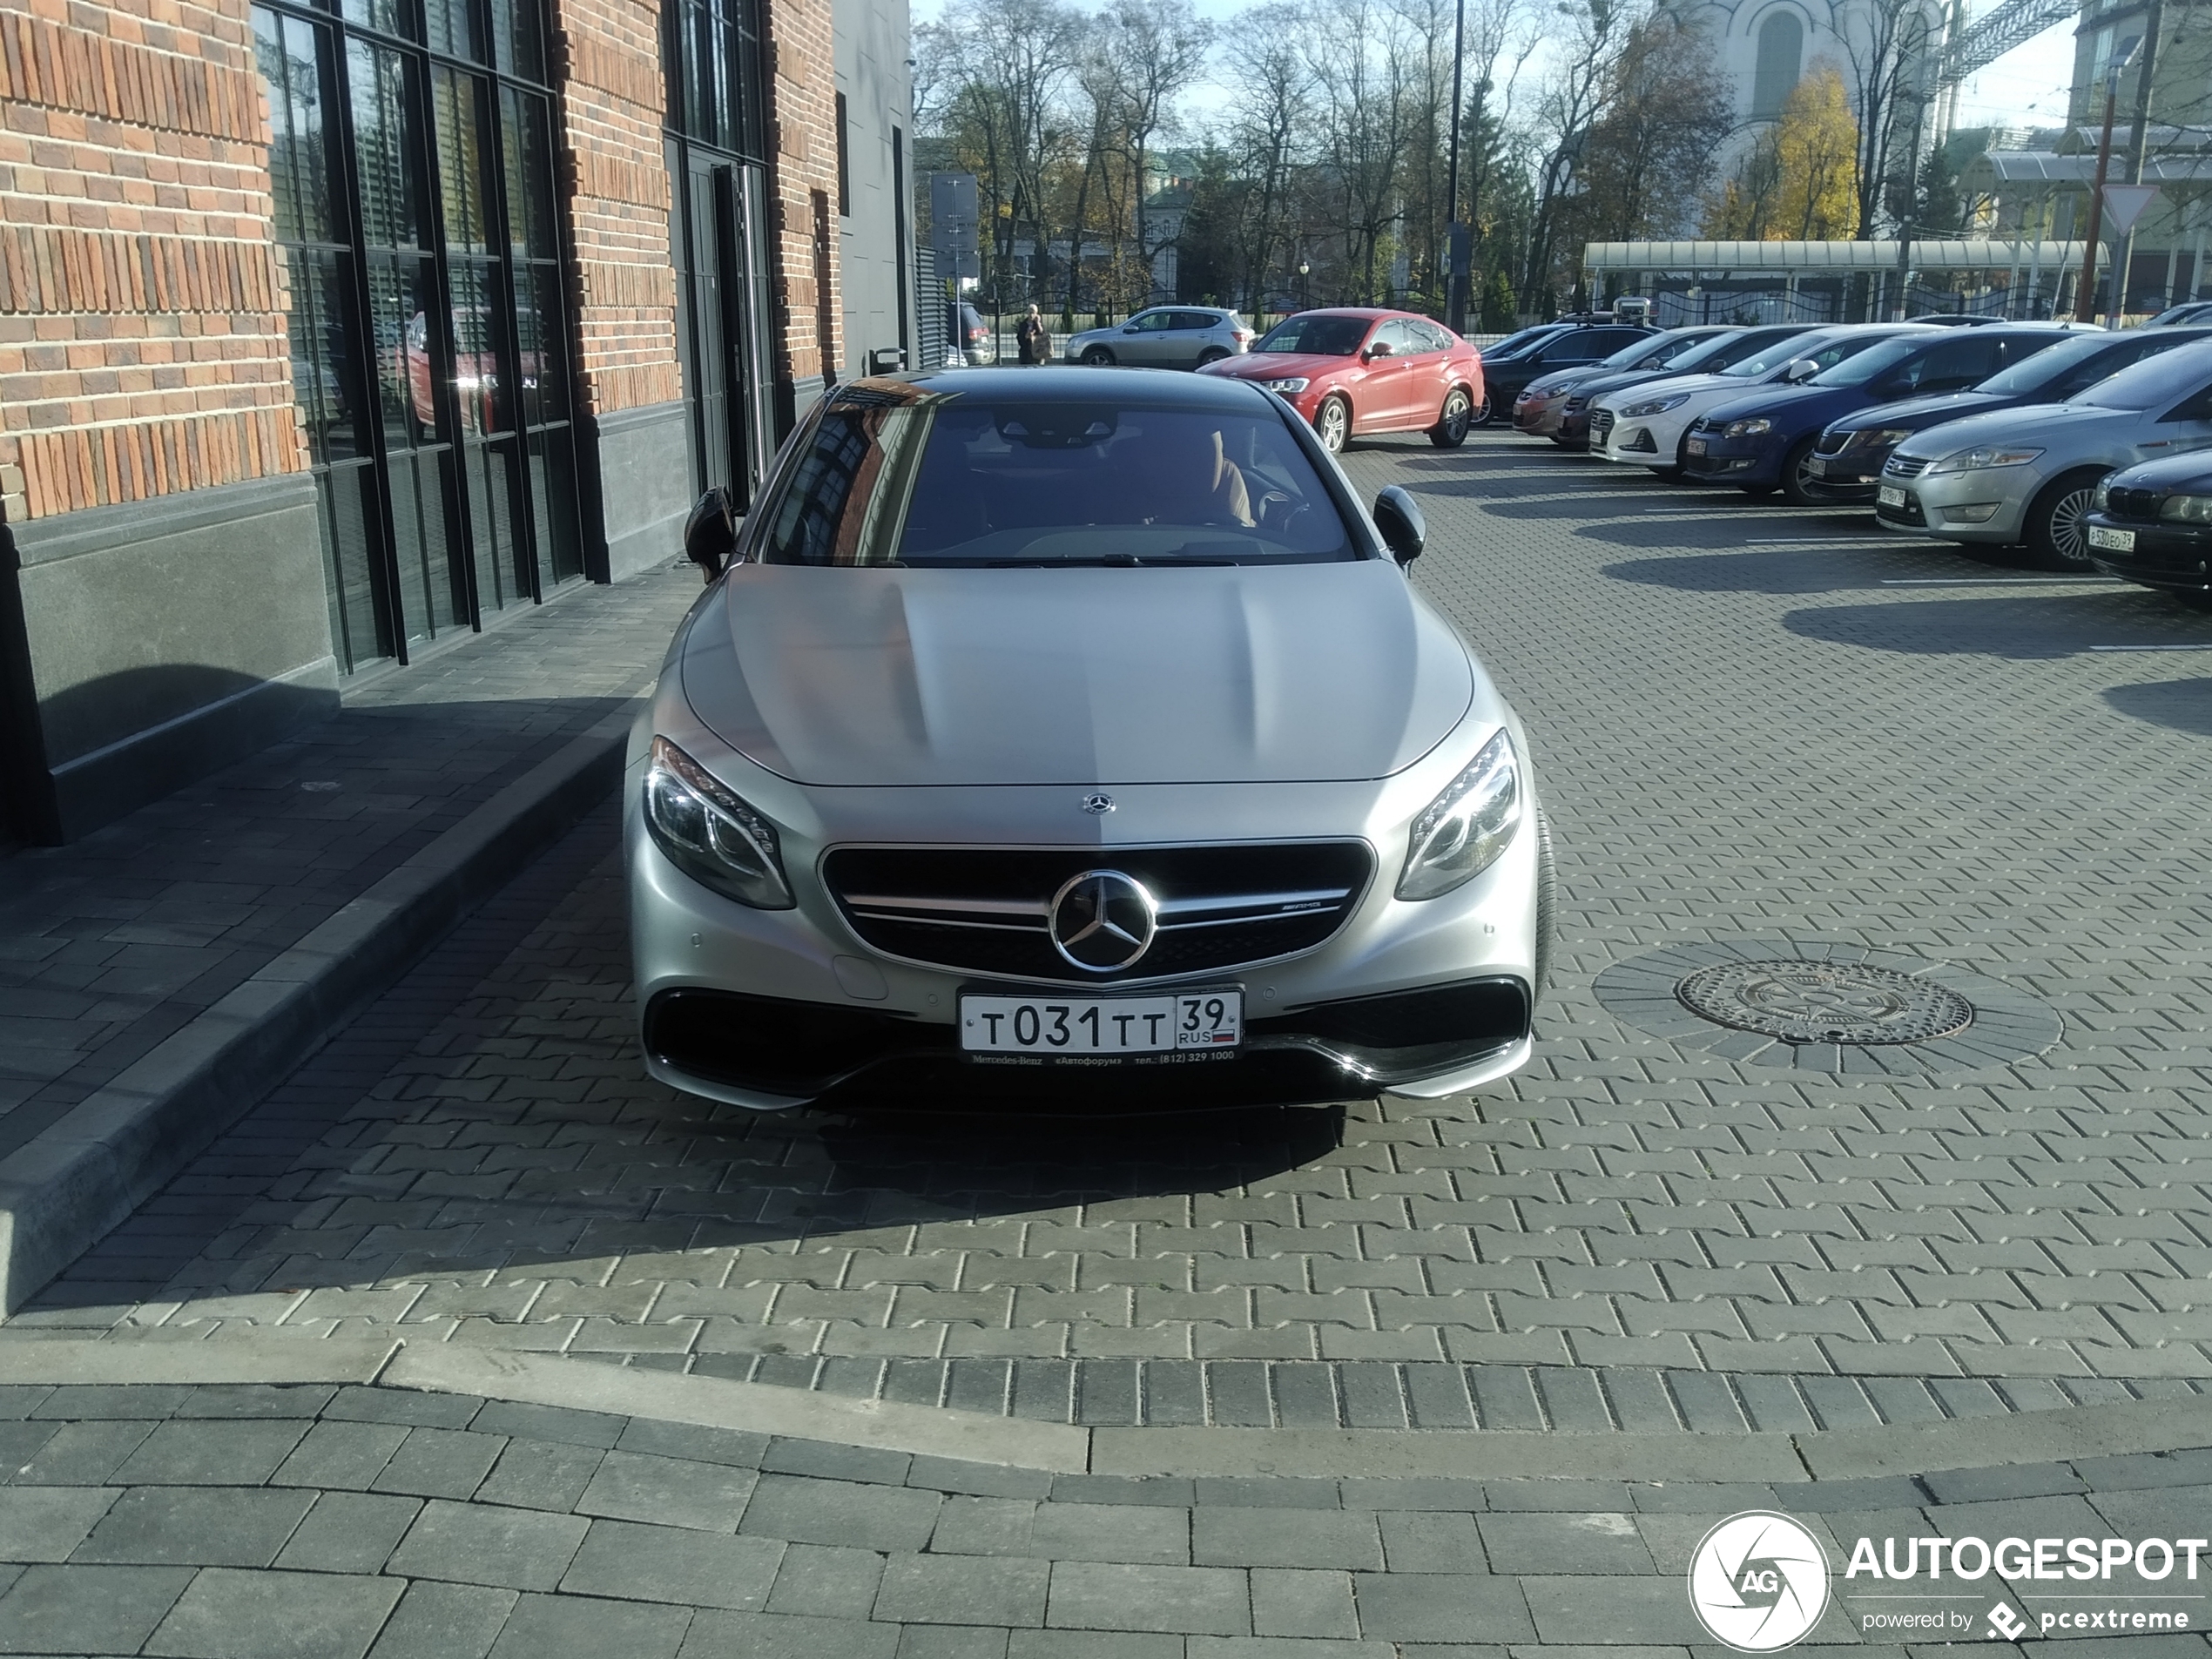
<point x="1353" y="370"/>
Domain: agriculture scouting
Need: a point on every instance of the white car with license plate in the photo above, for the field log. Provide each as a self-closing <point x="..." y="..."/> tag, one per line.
<point x="1055" y="737"/>
<point x="1649" y="424"/>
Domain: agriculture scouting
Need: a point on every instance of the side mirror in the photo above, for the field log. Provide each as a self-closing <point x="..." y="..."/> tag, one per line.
<point x="1130" y="329"/>
<point x="1801" y="371"/>
<point x="1380" y="349"/>
<point x="1398" y="515"/>
<point x="710" y="532"/>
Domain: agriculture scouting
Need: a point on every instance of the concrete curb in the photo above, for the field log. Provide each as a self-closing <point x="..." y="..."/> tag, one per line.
<point x="82" y="1362"/>
<point x="82" y="1174"/>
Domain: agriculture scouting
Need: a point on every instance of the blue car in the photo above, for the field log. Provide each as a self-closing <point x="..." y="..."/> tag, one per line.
<point x="1765" y="442"/>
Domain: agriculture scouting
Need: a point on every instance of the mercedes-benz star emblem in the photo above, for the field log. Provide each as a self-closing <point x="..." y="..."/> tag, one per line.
<point x="1098" y="805"/>
<point x="1104" y="920"/>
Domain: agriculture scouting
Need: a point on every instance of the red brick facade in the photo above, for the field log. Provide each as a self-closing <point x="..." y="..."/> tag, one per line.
<point x="141" y="340"/>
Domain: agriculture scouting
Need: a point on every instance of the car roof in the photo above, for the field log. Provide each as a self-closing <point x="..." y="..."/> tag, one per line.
<point x="1058" y="383"/>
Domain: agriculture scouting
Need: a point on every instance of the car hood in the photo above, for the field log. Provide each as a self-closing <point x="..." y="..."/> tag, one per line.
<point x="1667" y="385"/>
<point x="1229" y="674"/>
<point x="1618" y="380"/>
<point x="1919" y="413"/>
<point x="1794" y="407"/>
<point x="1279" y="366"/>
<point x="2035" y="423"/>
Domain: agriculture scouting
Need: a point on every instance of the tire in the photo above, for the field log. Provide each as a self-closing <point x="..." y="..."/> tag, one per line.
<point x="1547" y="905"/>
<point x="2056" y="537"/>
<point x="1795" y="484"/>
<point x="1758" y="492"/>
<point x="1097" y="357"/>
<point x="1332" y="423"/>
<point x="1481" y="415"/>
<point x="1454" y="420"/>
<point x="1212" y="354"/>
<point x="1669" y="475"/>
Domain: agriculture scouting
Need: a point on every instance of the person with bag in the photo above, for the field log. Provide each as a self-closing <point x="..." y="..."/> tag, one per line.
<point x="1033" y="340"/>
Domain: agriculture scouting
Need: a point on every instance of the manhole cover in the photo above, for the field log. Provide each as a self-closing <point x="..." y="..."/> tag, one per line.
<point x="1814" y="1001"/>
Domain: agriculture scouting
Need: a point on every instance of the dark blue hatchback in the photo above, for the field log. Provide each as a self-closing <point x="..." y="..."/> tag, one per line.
<point x="1763" y="442"/>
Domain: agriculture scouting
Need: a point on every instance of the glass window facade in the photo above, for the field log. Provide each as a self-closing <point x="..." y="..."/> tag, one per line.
<point x="413" y="169"/>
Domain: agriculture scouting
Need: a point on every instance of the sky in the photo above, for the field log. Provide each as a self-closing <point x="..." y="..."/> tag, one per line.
<point x="2026" y="88"/>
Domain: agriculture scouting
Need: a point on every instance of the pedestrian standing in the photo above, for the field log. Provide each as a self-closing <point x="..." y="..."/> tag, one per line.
<point x="1032" y="341"/>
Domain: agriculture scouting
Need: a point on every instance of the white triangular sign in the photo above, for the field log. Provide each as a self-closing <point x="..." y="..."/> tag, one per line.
<point x="2125" y="203"/>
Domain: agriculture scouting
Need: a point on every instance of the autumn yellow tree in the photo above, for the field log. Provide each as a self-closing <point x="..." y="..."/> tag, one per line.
<point x="1800" y="181"/>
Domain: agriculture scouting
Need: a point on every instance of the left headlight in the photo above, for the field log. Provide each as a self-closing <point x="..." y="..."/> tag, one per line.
<point x="710" y="833"/>
<point x="1290" y="388"/>
<point x="1879" y="437"/>
<point x="1461" y="833"/>
<point x="1988" y="454"/>
<point x="1747" y="429"/>
<point x="2186" y="510"/>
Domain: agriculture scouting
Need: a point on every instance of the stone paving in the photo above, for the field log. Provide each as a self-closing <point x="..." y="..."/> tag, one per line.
<point x="259" y="1522"/>
<point x="112" y="944"/>
<point x="1742" y="733"/>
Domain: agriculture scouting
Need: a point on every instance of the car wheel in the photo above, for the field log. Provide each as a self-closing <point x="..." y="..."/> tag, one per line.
<point x="1796" y="483"/>
<point x="1481" y="414"/>
<point x="2058" y="537"/>
<point x="1547" y="904"/>
<point x="1333" y="420"/>
<point x="1097" y="357"/>
<point x="1451" y="429"/>
<point x="1212" y="354"/>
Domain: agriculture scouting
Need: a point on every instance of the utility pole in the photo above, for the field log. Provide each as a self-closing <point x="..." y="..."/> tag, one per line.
<point x="1458" y="244"/>
<point x="2139" y="144"/>
<point x="2085" y="299"/>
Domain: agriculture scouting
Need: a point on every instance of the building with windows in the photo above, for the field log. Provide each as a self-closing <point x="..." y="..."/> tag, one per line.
<point x="330" y="328"/>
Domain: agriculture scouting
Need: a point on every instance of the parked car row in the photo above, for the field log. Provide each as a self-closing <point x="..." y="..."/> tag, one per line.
<point x="2066" y="450"/>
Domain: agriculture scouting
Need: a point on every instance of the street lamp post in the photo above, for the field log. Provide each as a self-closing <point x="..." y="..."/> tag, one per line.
<point x="1305" y="288"/>
<point x="1458" y="245"/>
<point x="2085" y="300"/>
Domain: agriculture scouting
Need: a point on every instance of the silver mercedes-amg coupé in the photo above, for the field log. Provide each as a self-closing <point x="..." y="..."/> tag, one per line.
<point x="1067" y="737"/>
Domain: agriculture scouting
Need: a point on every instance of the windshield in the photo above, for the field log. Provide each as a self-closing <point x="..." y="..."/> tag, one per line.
<point x="1514" y="345"/>
<point x="933" y="479"/>
<point x="1712" y="356"/>
<point x="2072" y="366"/>
<point x="1655" y="349"/>
<point x="1826" y="351"/>
<point x="1872" y="363"/>
<point x="2166" y="378"/>
<point x="1321" y="336"/>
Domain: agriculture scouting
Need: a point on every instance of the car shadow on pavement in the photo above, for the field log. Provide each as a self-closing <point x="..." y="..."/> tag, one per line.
<point x="2183" y="706"/>
<point x="2062" y="625"/>
<point x="1716" y="572"/>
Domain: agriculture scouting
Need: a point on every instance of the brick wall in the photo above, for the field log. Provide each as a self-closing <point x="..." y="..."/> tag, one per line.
<point x="141" y="340"/>
<point x="802" y="109"/>
<point x="618" y="203"/>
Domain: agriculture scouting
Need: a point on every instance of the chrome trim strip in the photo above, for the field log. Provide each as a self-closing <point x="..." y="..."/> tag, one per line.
<point x="1037" y="907"/>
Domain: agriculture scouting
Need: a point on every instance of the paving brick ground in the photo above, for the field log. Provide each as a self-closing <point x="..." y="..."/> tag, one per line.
<point x="331" y="1523"/>
<point x="112" y="944"/>
<point x="1742" y="732"/>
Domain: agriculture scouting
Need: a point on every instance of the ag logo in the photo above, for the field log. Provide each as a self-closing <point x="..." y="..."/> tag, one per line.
<point x="1758" y="1582"/>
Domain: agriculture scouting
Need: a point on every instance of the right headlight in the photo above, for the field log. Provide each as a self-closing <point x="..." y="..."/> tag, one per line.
<point x="710" y="833"/>
<point x="1461" y="833"/>
<point x="1987" y="455"/>
<point x="1657" y="406"/>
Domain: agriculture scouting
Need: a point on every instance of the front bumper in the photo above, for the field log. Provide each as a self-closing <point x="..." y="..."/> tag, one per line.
<point x="1750" y="461"/>
<point x="1851" y="474"/>
<point x="770" y="1010"/>
<point x="2165" y="556"/>
<point x="1987" y="505"/>
<point x="1537" y="417"/>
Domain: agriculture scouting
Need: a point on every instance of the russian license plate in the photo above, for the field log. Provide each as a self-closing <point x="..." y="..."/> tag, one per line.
<point x="2112" y="540"/>
<point x="1694" y="446"/>
<point x="1092" y="1030"/>
<point x="1890" y="496"/>
<point x="1816" y="466"/>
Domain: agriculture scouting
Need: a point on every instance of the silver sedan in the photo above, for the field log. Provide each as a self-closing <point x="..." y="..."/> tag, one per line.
<point x="1073" y="740"/>
<point x="2023" y="476"/>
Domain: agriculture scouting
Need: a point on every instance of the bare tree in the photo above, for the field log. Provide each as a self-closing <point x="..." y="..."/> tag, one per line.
<point x="1890" y="47"/>
<point x="1361" y="62"/>
<point x="1575" y="94"/>
<point x="1271" y="103"/>
<point x="1155" y="49"/>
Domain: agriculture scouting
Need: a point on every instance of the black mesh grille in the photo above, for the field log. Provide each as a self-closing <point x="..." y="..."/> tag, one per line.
<point x="2133" y="503"/>
<point x="1011" y="888"/>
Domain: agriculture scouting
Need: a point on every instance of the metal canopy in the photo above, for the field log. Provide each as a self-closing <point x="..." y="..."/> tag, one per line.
<point x="2044" y="167"/>
<point x="1715" y="261"/>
